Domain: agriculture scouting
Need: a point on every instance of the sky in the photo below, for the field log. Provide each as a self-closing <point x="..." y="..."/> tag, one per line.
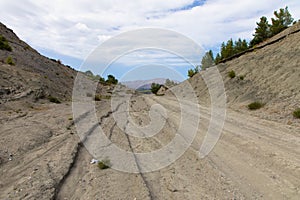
<point x="72" y="30"/>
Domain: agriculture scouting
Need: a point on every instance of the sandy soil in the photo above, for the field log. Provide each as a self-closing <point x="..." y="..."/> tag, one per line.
<point x="254" y="159"/>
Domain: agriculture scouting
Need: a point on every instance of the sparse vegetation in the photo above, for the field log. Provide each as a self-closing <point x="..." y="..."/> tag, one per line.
<point x="111" y="80"/>
<point x="104" y="164"/>
<point x="97" y="98"/>
<point x="10" y="61"/>
<point x="242" y="77"/>
<point x="296" y="113"/>
<point x="255" y="105"/>
<point x="155" y="87"/>
<point x="169" y="83"/>
<point x="192" y="72"/>
<point x="53" y="99"/>
<point x="231" y="74"/>
<point x="4" y="44"/>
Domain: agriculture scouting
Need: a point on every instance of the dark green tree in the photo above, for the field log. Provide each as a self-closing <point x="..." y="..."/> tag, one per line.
<point x="111" y="80"/>
<point x="218" y="58"/>
<point x="155" y="87"/>
<point x="207" y="60"/>
<point x="102" y="80"/>
<point x="262" y="31"/>
<point x="282" y="20"/>
<point x="192" y="72"/>
<point x="223" y="51"/>
<point x="227" y="50"/>
<point x="240" y="46"/>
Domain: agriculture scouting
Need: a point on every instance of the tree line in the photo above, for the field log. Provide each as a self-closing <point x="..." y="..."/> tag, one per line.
<point x="111" y="80"/>
<point x="264" y="30"/>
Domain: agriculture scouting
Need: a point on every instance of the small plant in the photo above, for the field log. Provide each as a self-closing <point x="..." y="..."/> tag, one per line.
<point x="242" y="77"/>
<point x="97" y="98"/>
<point x="53" y="99"/>
<point x="255" y="105"/>
<point x="231" y="74"/>
<point x="10" y="61"/>
<point x="104" y="164"/>
<point x="70" y="118"/>
<point x="296" y="113"/>
<point x="105" y="97"/>
<point x="4" y="44"/>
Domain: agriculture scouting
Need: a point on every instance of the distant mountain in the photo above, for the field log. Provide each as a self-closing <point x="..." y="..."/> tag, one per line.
<point x="143" y="84"/>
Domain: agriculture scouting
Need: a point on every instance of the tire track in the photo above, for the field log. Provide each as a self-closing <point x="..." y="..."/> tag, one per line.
<point x="79" y="146"/>
<point x="147" y="184"/>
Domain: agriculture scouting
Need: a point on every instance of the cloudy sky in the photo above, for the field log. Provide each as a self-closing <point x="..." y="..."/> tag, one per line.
<point x="70" y="30"/>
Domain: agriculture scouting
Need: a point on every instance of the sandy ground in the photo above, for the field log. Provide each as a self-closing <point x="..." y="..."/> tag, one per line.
<point x="254" y="158"/>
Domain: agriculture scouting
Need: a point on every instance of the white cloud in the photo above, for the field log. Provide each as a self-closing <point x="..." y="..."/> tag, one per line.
<point x="74" y="28"/>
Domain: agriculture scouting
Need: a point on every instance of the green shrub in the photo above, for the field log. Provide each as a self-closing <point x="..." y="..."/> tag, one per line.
<point x="4" y="44"/>
<point x="53" y="99"/>
<point x="10" y="61"/>
<point x="296" y="113"/>
<point x="97" y="98"/>
<point x="242" y="77"/>
<point x="255" y="105"/>
<point x="111" y="80"/>
<point x="155" y="87"/>
<point x="104" y="164"/>
<point x="231" y="74"/>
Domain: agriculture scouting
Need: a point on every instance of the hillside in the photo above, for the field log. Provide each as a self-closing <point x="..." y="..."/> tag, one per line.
<point x="270" y="73"/>
<point x="33" y="76"/>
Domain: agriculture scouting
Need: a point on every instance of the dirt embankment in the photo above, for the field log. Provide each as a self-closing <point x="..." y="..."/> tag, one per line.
<point x="269" y="75"/>
<point x="31" y="74"/>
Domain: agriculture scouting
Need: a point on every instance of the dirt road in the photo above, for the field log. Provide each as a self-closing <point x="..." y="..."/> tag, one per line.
<point x="254" y="159"/>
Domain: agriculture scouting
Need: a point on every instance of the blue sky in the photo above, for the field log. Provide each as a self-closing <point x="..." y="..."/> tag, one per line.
<point x="71" y="30"/>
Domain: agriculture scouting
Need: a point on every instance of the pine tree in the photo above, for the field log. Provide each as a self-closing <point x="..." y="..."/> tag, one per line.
<point x="240" y="46"/>
<point x="207" y="60"/>
<point x="282" y="20"/>
<point x="218" y="58"/>
<point x="262" y="31"/>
